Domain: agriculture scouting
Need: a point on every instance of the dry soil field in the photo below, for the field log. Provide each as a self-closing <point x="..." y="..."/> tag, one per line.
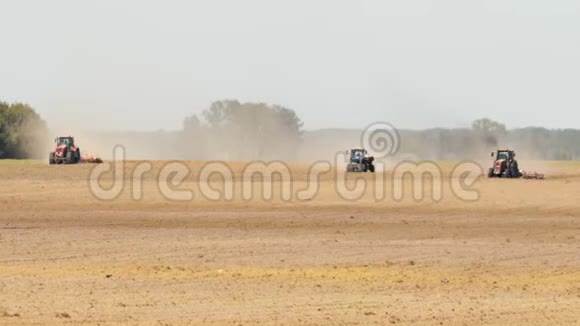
<point x="511" y="257"/>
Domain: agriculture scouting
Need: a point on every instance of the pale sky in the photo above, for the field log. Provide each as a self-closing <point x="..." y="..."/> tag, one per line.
<point x="145" y="65"/>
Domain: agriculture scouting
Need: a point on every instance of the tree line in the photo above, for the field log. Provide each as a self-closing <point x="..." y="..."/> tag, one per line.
<point x="231" y="130"/>
<point x="234" y="130"/>
<point x="485" y="135"/>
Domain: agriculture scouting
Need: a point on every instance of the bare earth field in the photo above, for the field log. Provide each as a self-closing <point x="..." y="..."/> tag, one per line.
<point x="66" y="257"/>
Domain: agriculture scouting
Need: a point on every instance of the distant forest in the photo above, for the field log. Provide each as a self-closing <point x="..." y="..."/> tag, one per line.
<point x="532" y="143"/>
<point x="232" y="130"/>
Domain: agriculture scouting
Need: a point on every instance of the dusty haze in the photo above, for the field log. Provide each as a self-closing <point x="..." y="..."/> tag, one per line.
<point x="458" y="144"/>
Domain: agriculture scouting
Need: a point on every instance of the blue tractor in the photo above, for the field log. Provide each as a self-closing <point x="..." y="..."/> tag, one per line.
<point x="360" y="161"/>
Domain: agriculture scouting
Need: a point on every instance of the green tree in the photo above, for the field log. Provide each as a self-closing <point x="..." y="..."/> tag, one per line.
<point x="23" y="134"/>
<point x="245" y="131"/>
<point x="489" y="126"/>
<point x="489" y="131"/>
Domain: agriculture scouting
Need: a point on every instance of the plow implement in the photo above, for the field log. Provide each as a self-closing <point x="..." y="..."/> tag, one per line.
<point x="88" y="158"/>
<point x="532" y="175"/>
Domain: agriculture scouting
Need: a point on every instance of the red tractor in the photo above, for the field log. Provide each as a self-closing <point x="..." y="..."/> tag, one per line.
<point x="504" y="165"/>
<point x="65" y="152"/>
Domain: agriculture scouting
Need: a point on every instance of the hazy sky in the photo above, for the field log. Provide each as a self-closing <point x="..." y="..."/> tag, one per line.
<point x="145" y="65"/>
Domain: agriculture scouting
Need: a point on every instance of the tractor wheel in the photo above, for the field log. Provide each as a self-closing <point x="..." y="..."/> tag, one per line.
<point x="490" y="173"/>
<point x="69" y="158"/>
<point x="508" y="172"/>
<point x="515" y="170"/>
<point x="372" y="168"/>
<point x="78" y="155"/>
<point x="51" y="159"/>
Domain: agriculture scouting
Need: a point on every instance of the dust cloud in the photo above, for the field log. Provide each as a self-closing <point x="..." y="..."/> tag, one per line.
<point x="234" y="131"/>
<point x="231" y="145"/>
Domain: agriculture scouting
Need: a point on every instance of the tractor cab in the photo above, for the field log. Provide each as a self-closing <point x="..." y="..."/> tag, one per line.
<point x="357" y="155"/>
<point x="66" y="141"/>
<point x="360" y="161"/>
<point x="505" y="155"/>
